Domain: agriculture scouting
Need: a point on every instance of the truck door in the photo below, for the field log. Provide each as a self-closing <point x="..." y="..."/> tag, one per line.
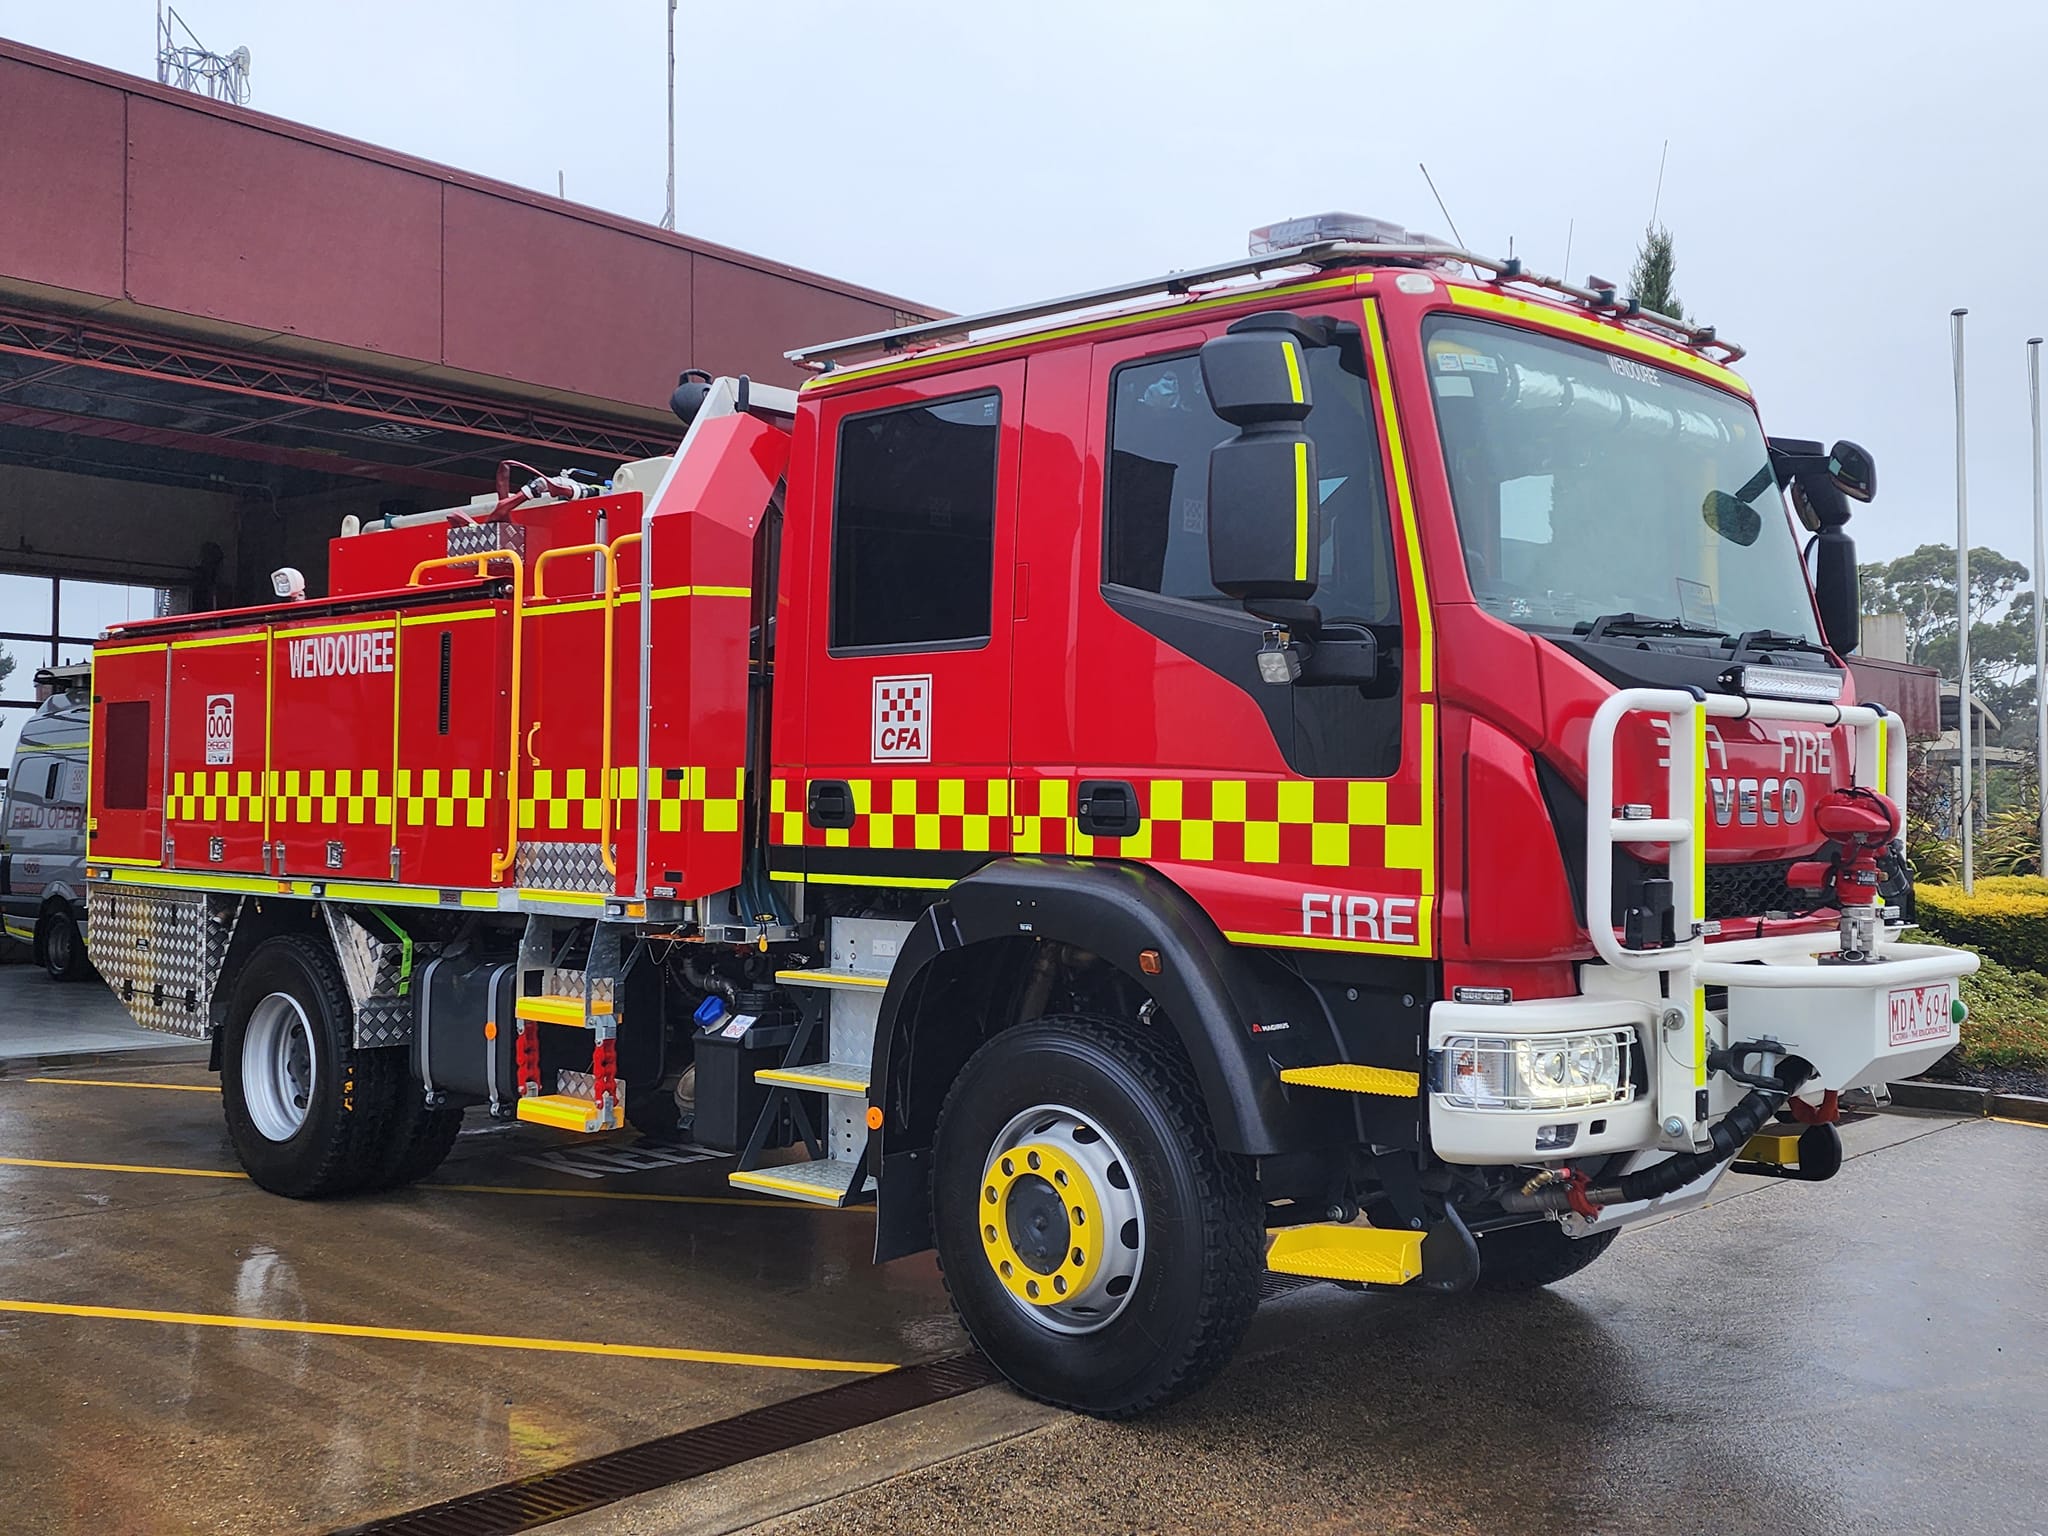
<point x="1297" y="814"/>
<point x="907" y="754"/>
<point x="218" y="741"/>
<point x="125" y="824"/>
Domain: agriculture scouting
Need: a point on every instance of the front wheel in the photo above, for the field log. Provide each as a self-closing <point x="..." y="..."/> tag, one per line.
<point x="63" y="946"/>
<point x="1535" y="1254"/>
<point x="308" y="1112"/>
<point x="1099" y="1247"/>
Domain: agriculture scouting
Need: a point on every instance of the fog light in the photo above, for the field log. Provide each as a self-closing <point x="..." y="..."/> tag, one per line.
<point x="1555" y="1138"/>
<point x="1279" y="658"/>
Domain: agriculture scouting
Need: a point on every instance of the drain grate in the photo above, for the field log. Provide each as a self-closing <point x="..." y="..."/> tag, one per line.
<point x="585" y="1485"/>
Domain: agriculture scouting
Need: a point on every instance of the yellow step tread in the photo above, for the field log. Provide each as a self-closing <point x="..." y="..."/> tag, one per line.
<point x="1325" y="1251"/>
<point x="824" y="978"/>
<point x="1351" y="1077"/>
<point x="1778" y="1146"/>
<point x="567" y="1112"/>
<point x="559" y="1010"/>
<point x="826" y="1076"/>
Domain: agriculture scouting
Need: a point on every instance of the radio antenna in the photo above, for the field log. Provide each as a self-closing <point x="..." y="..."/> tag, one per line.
<point x="1440" y="204"/>
<point x="1570" y="228"/>
<point x="1658" y="201"/>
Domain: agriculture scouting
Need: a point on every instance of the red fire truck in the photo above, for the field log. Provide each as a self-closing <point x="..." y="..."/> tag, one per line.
<point x="1329" y="763"/>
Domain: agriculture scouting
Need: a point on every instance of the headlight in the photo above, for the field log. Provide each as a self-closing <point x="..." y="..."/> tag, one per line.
<point x="1536" y="1071"/>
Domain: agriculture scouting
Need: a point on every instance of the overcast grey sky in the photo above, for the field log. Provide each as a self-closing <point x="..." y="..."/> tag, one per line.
<point x="1840" y="176"/>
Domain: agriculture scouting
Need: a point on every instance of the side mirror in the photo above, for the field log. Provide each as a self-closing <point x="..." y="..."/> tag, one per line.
<point x="1265" y="509"/>
<point x="1836" y="589"/>
<point x="1853" y="470"/>
<point x="1736" y="521"/>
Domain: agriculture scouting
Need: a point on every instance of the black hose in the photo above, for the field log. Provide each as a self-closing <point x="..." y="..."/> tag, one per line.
<point x="1749" y="1116"/>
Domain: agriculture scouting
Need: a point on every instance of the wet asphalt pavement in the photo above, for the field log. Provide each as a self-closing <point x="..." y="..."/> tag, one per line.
<point x="1869" y="1354"/>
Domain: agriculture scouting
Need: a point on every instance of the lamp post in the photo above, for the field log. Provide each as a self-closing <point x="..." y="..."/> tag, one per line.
<point x="1963" y="610"/>
<point x="2040" y="624"/>
<point x="668" y="219"/>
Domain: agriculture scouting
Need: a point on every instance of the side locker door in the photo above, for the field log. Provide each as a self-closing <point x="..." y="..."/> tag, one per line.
<point x="449" y="812"/>
<point x="218" y="743"/>
<point x="331" y="732"/>
<point x="907" y="755"/>
<point x="125" y="820"/>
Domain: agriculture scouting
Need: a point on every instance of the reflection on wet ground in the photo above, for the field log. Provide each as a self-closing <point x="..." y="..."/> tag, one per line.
<point x="137" y="1401"/>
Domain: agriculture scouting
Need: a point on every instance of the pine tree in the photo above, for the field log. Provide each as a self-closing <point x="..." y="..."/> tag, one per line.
<point x="1650" y="280"/>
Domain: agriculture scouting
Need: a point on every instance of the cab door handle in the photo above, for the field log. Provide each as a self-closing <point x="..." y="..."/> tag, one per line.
<point x="1108" y="808"/>
<point x="829" y="803"/>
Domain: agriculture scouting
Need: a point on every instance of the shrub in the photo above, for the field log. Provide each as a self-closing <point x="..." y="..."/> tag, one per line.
<point x="2006" y="918"/>
<point x="1930" y="855"/>
<point x="2008" y="1022"/>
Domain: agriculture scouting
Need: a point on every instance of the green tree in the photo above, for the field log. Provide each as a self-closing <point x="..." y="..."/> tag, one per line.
<point x="1651" y="279"/>
<point x="6" y="664"/>
<point x="1921" y="587"/>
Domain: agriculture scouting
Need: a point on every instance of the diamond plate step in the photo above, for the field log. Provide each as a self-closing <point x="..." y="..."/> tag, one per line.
<point x="1368" y="1255"/>
<point x="822" y="1181"/>
<point x="1350" y="1077"/>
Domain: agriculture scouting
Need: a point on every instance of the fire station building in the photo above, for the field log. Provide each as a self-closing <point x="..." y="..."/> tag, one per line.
<point x="221" y="332"/>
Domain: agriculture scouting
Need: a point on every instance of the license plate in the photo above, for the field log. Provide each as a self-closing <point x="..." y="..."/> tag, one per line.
<point x="1919" y="1014"/>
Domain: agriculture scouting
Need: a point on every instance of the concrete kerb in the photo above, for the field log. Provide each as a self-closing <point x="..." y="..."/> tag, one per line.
<point x="1957" y="1099"/>
<point x="166" y="1056"/>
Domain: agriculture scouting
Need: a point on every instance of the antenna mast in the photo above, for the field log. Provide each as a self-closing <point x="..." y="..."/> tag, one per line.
<point x="186" y="64"/>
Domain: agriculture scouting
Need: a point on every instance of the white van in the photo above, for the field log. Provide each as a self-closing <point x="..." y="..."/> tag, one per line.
<point x="42" y="826"/>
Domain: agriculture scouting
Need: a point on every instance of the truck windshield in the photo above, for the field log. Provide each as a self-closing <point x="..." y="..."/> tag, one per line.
<point x="1589" y="485"/>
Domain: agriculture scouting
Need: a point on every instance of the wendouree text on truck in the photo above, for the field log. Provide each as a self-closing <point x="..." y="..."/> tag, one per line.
<point x="1332" y="763"/>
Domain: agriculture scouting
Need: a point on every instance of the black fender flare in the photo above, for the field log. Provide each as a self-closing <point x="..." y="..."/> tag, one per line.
<point x="1212" y="992"/>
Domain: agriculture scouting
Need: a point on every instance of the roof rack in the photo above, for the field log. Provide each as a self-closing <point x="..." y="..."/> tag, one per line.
<point x="1602" y="300"/>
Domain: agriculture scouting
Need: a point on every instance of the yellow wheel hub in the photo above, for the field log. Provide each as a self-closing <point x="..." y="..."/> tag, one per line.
<point x="1041" y="1224"/>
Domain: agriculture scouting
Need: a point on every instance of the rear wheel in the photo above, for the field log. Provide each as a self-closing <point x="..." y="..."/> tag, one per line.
<point x="1098" y="1246"/>
<point x="308" y="1112"/>
<point x="1536" y="1254"/>
<point x="419" y="1140"/>
<point x="62" y="946"/>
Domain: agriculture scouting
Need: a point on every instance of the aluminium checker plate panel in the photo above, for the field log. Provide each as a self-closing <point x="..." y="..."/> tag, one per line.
<point x="162" y="953"/>
<point x="373" y="969"/>
<point x="563" y="867"/>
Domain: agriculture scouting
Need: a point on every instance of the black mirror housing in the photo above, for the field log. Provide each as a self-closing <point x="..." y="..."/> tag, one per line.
<point x="1265" y="510"/>
<point x="1836" y="590"/>
<point x="1853" y="470"/>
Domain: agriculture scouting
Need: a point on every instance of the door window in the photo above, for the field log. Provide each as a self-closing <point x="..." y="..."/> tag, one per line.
<point x="1161" y="431"/>
<point x="913" y="526"/>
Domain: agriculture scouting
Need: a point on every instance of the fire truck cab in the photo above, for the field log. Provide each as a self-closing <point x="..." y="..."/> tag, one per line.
<point x="1330" y="763"/>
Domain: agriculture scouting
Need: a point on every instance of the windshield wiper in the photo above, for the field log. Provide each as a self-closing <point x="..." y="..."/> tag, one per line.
<point x="1619" y="624"/>
<point x="1762" y="640"/>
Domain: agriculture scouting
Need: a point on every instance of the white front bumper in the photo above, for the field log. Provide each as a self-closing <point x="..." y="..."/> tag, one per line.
<point x="1859" y="1025"/>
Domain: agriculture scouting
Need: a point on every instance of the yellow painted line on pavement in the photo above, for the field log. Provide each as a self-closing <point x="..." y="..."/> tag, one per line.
<point x="2032" y="1125"/>
<point x="189" y="1173"/>
<point x="107" y="1082"/>
<point x="436" y="1336"/>
<point x="643" y="1197"/>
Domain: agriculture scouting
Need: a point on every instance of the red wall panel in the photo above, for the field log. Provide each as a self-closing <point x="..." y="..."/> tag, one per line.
<point x="746" y="320"/>
<point x="60" y="180"/>
<point x="270" y="231"/>
<point x="533" y="295"/>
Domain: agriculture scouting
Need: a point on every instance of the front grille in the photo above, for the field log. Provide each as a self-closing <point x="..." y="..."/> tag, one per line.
<point x="1751" y="890"/>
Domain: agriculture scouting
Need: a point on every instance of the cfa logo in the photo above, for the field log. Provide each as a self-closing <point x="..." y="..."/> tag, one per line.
<point x="220" y="728"/>
<point x="903" y="719"/>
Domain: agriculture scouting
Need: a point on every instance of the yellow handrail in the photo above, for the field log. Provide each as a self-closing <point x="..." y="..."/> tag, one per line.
<point x="611" y="600"/>
<point x="502" y="860"/>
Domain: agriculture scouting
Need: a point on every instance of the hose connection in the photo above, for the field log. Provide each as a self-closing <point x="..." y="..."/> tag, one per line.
<point x="1568" y="1189"/>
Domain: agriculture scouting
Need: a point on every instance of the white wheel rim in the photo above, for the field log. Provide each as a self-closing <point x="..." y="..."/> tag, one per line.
<point x="279" y="1068"/>
<point x="1080" y="1144"/>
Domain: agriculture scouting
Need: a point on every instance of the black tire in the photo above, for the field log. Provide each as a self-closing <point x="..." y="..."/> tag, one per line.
<point x="1534" y="1255"/>
<point x="354" y="1094"/>
<point x="62" y="946"/>
<point x="418" y="1140"/>
<point x="1197" y="1284"/>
